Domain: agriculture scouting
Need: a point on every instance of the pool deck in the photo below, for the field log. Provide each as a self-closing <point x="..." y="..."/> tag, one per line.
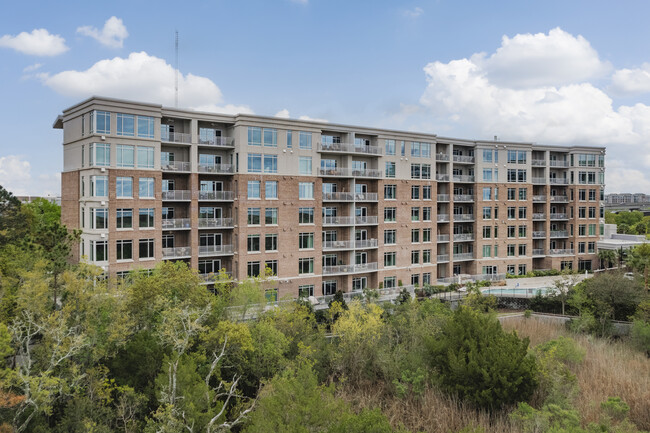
<point x="534" y="282"/>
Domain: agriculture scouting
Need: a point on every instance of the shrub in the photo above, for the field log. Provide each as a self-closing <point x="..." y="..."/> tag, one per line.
<point x="481" y="363"/>
<point x="640" y="336"/>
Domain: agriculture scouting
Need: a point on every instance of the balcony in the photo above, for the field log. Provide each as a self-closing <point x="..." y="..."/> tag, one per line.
<point x="338" y="221"/>
<point x="349" y="269"/>
<point x="463" y="178"/>
<point x="175" y="137"/>
<point x="443" y="157"/>
<point x="463" y="198"/>
<point x="539" y="235"/>
<point x="443" y="238"/>
<point x="463" y="217"/>
<point x="177" y="195"/>
<point x="538" y="252"/>
<point x="560" y="164"/>
<point x="348" y="196"/>
<point x="216" y="223"/>
<point x="560" y="252"/>
<point x="177" y="253"/>
<point x="217" y="168"/>
<point x="559" y="181"/>
<point x="464" y="159"/>
<point x="443" y="258"/>
<point x="349" y="245"/>
<point x="443" y="197"/>
<point x="538" y="163"/>
<point x="176" y="166"/>
<point x="539" y="216"/>
<point x="442" y="177"/>
<point x="559" y="216"/>
<point x="349" y="148"/>
<point x="559" y="199"/>
<point x="365" y="220"/>
<point x="214" y="276"/>
<point x="176" y="224"/>
<point x="559" y="234"/>
<point x="539" y="198"/>
<point x="217" y="195"/>
<point x="463" y="256"/>
<point x="215" y="250"/>
<point x="539" y="181"/>
<point x="349" y="172"/>
<point x="443" y="218"/>
<point x="225" y="142"/>
<point x="463" y="237"/>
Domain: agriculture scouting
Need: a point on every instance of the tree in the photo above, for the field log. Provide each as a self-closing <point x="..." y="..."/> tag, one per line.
<point x="13" y="225"/>
<point x="607" y="258"/>
<point x="638" y="258"/>
<point x="563" y="286"/>
<point x="480" y="362"/>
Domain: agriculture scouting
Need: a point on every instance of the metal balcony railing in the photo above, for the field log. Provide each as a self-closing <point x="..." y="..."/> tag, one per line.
<point x="175" y="137"/>
<point x="464" y="217"/>
<point x="463" y="158"/>
<point x="176" y="223"/>
<point x="348" y="245"/>
<point x="463" y="178"/>
<point x="366" y="196"/>
<point x="176" y="252"/>
<point x="349" y="148"/>
<point x="443" y="258"/>
<point x="463" y="198"/>
<point x="539" y="234"/>
<point x="560" y="252"/>
<point x="176" y="166"/>
<point x="215" y="250"/>
<point x="442" y="177"/>
<point x="443" y="218"/>
<point x="558" y="181"/>
<point x="443" y="197"/>
<point x="349" y="269"/>
<point x="559" y="234"/>
<point x="443" y="238"/>
<point x="539" y="180"/>
<point x="555" y="163"/>
<point x="538" y="163"/>
<point x="538" y="252"/>
<point x="365" y="220"/>
<point x="218" y="142"/>
<point x="463" y="256"/>
<point x="217" y="195"/>
<point x="559" y="199"/>
<point x="217" y="168"/>
<point x="338" y="221"/>
<point x="539" y="216"/>
<point x="177" y="195"/>
<point x="538" y="198"/>
<point x="558" y="216"/>
<point x="215" y="223"/>
<point x="463" y="237"/>
<point x="442" y="157"/>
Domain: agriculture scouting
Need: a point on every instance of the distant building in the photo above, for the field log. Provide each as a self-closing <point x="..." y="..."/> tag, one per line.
<point x="31" y="198"/>
<point x="615" y="241"/>
<point x="626" y="198"/>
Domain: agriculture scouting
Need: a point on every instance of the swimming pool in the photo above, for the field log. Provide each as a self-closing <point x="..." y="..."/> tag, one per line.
<point x="518" y="291"/>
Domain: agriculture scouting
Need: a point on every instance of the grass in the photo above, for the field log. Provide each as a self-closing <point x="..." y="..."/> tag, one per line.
<point x="610" y="368"/>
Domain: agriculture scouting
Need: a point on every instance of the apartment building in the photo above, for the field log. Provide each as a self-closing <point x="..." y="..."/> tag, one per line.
<point x="326" y="207"/>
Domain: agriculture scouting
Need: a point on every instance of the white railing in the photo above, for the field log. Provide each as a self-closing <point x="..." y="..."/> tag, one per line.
<point x="442" y="157"/>
<point x="555" y="163"/>
<point x="176" y="166"/>
<point x="215" y="223"/>
<point x="349" y="148"/>
<point x="175" y="137"/>
<point x="176" y="223"/>
<point x="338" y="196"/>
<point x="538" y="251"/>
<point x="558" y="216"/>
<point x="559" y="181"/>
<point x="175" y="252"/>
<point x="466" y="277"/>
<point x="365" y="220"/>
<point x="366" y="196"/>
<point x="463" y="198"/>
<point x="366" y="243"/>
<point x="442" y="258"/>
<point x="214" y="276"/>
<point x="349" y="172"/>
<point x="215" y="250"/>
<point x="463" y="178"/>
<point x="464" y="217"/>
<point x="538" y="163"/>
<point x="559" y="234"/>
<point x="463" y="256"/>
<point x="539" y="234"/>
<point x="217" y="195"/>
<point x="216" y="168"/>
<point x="443" y="197"/>
<point x="539" y="216"/>
<point x="442" y="177"/>
<point x="443" y="238"/>
<point x="177" y="195"/>
<point x="559" y="198"/>
<point x="539" y="198"/>
<point x="335" y="221"/>
<point x="462" y="237"/>
<point x="348" y="245"/>
<point x="463" y="158"/>
<point x="539" y="180"/>
<point x="560" y="252"/>
<point x="218" y="141"/>
<point x="349" y="269"/>
<point x="443" y="218"/>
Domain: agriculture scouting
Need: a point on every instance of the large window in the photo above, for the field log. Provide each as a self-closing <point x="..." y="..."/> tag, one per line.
<point x="390" y="169"/>
<point x="306" y="215"/>
<point x="100" y="122"/>
<point x="98" y="218"/>
<point x="305" y="140"/>
<point x="253" y="269"/>
<point x="306" y="190"/>
<point x="99" y="186"/>
<point x="271" y="189"/>
<point x="124" y="218"/>
<point x="271" y="242"/>
<point x="390" y="147"/>
<point x="306" y="265"/>
<point x="146" y="249"/>
<point x="145" y="186"/>
<point x="254" y="163"/>
<point x="145" y="157"/>
<point x="390" y="192"/>
<point x="390" y="237"/>
<point x="306" y="241"/>
<point x="306" y="291"/>
<point x="124" y="249"/>
<point x="125" y="124"/>
<point x="254" y="189"/>
<point x="100" y="154"/>
<point x="270" y="136"/>
<point x="146" y="217"/>
<point x="145" y="126"/>
<point x="253" y="216"/>
<point x="98" y="251"/>
<point x="271" y="216"/>
<point x="124" y="187"/>
<point x="253" y="243"/>
<point x="270" y="163"/>
<point x="305" y="165"/>
<point x="254" y="136"/>
<point x="125" y="156"/>
<point x="390" y="214"/>
<point x="390" y="259"/>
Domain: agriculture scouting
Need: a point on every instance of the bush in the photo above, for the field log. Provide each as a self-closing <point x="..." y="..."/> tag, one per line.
<point x="640" y="336"/>
<point x="481" y="363"/>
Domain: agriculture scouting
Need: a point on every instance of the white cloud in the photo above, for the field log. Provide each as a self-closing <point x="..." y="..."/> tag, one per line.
<point x="15" y="176"/>
<point x="413" y="13"/>
<point x="284" y="114"/>
<point x="37" y="43"/>
<point x="632" y="81"/>
<point x="112" y="35"/>
<point x="140" y="77"/>
<point x="486" y="95"/>
<point x="32" y="68"/>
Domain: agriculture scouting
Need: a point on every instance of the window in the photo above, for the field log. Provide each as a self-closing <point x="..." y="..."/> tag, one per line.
<point x="512" y="193"/>
<point x="390" y="192"/>
<point x="390" y="282"/>
<point x="289" y="139"/>
<point x="271" y="242"/>
<point x="415" y="192"/>
<point x="487" y="175"/>
<point x="522" y="213"/>
<point x="390" y="237"/>
<point x="145" y="186"/>
<point x="100" y="154"/>
<point x="305" y="140"/>
<point x="390" y="147"/>
<point x="254" y="163"/>
<point x="270" y="136"/>
<point x="523" y="193"/>
<point x="426" y="213"/>
<point x="124" y="187"/>
<point x="390" y="169"/>
<point x="582" y="212"/>
<point x="270" y="163"/>
<point x="125" y="124"/>
<point x="415" y="214"/>
<point x="522" y="249"/>
<point x="254" y="136"/>
<point x="511" y="231"/>
<point x="306" y="190"/>
<point x="253" y="216"/>
<point x="305" y="165"/>
<point x="253" y="189"/>
<point x="124" y="154"/>
<point x="271" y="189"/>
<point x="487" y="250"/>
<point x="390" y="259"/>
<point x="306" y="291"/>
<point x="415" y="235"/>
<point x="592" y="229"/>
<point x="487" y="193"/>
<point x="511" y="269"/>
<point x="98" y="218"/>
<point x="253" y="269"/>
<point x="329" y="287"/>
<point x="124" y="218"/>
<point x="98" y="251"/>
<point x="487" y="232"/>
<point x="100" y="122"/>
<point x="390" y="214"/>
<point x="581" y="247"/>
<point x="522" y="231"/>
<point x="145" y="126"/>
<point x="253" y="243"/>
<point x="582" y="230"/>
<point x="271" y="216"/>
<point x="487" y="212"/>
<point x="426" y="192"/>
<point x="305" y="241"/>
<point x="415" y="257"/>
<point x="591" y="247"/>
<point x="306" y="265"/>
<point x="415" y="279"/>
<point x="124" y="249"/>
<point x="146" y="249"/>
<point x="592" y="195"/>
<point x="512" y="212"/>
<point x="415" y="148"/>
<point x="306" y="215"/>
<point x="511" y="250"/>
<point x="145" y="219"/>
<point x="145" y="157"/>
<point x="522" y="269"/>
<point x="582" y="194"/>
<point x="592" y="212"/>
<point x="426" y="256"/>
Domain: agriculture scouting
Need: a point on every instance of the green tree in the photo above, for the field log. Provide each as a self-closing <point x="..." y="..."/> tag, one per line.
<point x="480" y="362"/>
<point x="13" y="224"/>
<point x="607" y="258"/>
<point x="638" y="258"/>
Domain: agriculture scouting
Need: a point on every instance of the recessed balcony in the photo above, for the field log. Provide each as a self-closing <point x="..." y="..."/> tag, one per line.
<point x="559" y="199"/>
<point x="442" y="157"/>
<point x="538" y="252"/>
<point x="560" y="252"/>
<point x="442" y="177"/>
<point x="558" y="164"/>
<point x="539" y="198"/>
<point x="443" y="258"/>
<point x="349" y="245"/>
<point x="349" y="148"/>
<point x="216" y="195"/>
<point x="215" y="250"/>
<point x="217" y="168"/>
<point x="443" y="238"/>
<point x="216" y="223"/>
<point x="443" y="197"/>
<point x="459" y="257"/>
<point x="349" y="196"/>
<point x="349" y="269"/>
<point x="176" y="166"/>
<point x="175" y="137"/>
<point x="539" y="216"/>
<point x="176" y="224"/>
<point x="558" y="181"/>
<point x="443" y="218"/>
<point x="177" y="195"/>
<point x="177" y="253"/>
<point x="463" y="237"/>
<point x="539" y="235"/>
<point x="464" y="159"/>
<point x="559" y="216"/>
<point x="559" y="234"/>
<point x="538" y="163"/>
<point x="463" y="217"/>
<point x="463" y="178"/>
<point x="463" y="198"/>
<point x="223" y="142"/>
<point x="350" y="172"/>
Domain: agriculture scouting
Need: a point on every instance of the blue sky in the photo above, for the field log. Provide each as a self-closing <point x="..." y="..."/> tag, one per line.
<point x="556" y="72"/>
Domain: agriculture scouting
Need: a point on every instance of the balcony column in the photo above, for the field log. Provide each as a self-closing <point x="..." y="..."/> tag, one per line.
<point x="194" y="213"/>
